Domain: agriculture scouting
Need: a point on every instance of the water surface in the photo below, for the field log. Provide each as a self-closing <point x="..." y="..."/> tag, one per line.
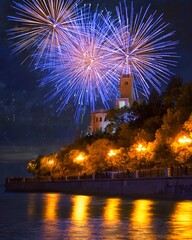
<point x="59" y="216"/>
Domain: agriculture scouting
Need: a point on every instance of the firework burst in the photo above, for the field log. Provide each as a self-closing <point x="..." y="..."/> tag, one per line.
<point x="140" y="47"/>
<point x="43" y="27"/>
<point x="86" y="53"/>
<point x="83" y="72"/>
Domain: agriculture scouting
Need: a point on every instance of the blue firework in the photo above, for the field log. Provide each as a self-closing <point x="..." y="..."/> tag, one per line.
<point x="141" y="47"/>
<point x="84" y="53"/>
<point x="83" y="71"/>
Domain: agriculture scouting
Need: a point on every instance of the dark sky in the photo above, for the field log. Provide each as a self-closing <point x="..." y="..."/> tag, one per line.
<point x="28" y="124"/>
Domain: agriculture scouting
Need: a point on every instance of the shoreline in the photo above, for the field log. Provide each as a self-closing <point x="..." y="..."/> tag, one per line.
<point x="158" y="188"/>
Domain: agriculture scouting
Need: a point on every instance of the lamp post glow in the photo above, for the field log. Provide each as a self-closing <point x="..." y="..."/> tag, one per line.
<point x="140" y="148"/>
<point x="80" y="158"/>
<point x="184" y="140"/>
<point x="111" y="153"/>
<point x="50" y="162"/>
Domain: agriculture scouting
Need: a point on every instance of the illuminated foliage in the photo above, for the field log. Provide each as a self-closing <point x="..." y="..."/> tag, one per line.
<point x="141" y="155"/>
<point x="131" y="146"/>
<point x="98" y="161"/>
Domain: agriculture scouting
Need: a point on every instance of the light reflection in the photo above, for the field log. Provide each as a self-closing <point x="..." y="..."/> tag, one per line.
<point x="111" y="223"/>
<point x="50" y="215"/>
<point x="80" y="208"/>
<point x="141" y="219"/>
<point x="79" y="218"/>
<point x="181" y="221"/>
<point x="32" y="206"/>
<point x="111" y="210"/>
<point x="51" y="205"/>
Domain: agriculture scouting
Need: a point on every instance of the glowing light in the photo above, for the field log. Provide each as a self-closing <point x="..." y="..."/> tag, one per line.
<point x="184" y="140"/>
<point x="79" y="227"/>
<point x="111" y="153"/>
<point x="51" y="162"/>
<point x="80" y="208"/>
<point x="141" y="218"/>
<point x="82" y="74"/>
<point x="51" y="204"/>
<point x="140" y="148"/>
<point x="181" y="221"/>
<point x="42" y="27"/>
<point x="80" y="158"/>
<point x="86" y="53"/>
<point x="112" y="210"/>
<point x="141" y="47"/>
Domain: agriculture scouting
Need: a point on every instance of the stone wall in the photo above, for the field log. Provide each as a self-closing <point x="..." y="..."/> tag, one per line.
<point x="149" y="187"/>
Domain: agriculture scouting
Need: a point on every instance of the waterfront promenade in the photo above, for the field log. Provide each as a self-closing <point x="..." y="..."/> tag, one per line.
<point x="156" y="183"/>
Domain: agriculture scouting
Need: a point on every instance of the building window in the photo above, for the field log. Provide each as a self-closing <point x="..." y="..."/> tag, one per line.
<point x="122" y="104"/>
<point x="100" y="119"/>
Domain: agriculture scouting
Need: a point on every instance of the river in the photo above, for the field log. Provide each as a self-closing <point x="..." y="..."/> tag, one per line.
<point x="59" y="216"/>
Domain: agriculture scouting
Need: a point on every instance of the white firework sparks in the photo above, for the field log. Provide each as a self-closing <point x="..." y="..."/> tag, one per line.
<point x="141" y="47"/>
<point x="43" y="26"/>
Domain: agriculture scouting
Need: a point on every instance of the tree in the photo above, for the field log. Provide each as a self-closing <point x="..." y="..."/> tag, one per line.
<point x="173" y="90"/>
<point x="33" y="165"/>
<point x="125" y="136"/>
<point x="120" y="161"/>
<point x="141" y="155"/>
<point x="184" y="103"/>
<point x="188" y="125"/>
<point x="97" y="159"/>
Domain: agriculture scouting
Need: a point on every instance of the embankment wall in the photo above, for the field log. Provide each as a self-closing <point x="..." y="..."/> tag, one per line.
<point x="180" y="188"/>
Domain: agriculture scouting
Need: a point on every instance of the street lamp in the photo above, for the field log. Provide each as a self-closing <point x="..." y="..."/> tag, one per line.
<point x="184" y="140"/>
<point x="80" y="158"/>
<point x="140" y="148"/>
<point x="51" y="162"/>
<point x="111" y="153"/>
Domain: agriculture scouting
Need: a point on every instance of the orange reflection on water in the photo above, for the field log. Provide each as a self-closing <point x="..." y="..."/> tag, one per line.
<point x="80" y="208"/>
<point x="32" y="205"/>
<point x="51" y="205"/>
<point x="181" y="221"/>
<point x="111" y="210"/>
<point x="141" y="219"/>
<point x="79" y="218"/>
<point x="111" y="223"/>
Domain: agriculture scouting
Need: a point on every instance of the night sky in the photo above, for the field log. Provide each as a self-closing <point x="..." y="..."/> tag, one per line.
<point x="28" y="125"/>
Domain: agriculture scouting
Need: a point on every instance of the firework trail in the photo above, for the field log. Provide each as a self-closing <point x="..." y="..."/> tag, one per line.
<point x="83" y="72"/>
<point x="86" y="53"/>
<point x="43" y="27"/>
<point x="140" y="47"/>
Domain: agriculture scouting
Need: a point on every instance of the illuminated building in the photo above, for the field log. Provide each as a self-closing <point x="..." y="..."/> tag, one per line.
<point x="98" y="121"/>
<point x="98" y="118"/>
<point x="126" y="92"/>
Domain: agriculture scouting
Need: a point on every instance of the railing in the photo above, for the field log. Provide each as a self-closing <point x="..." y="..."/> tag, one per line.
<point x="147" y="173"/>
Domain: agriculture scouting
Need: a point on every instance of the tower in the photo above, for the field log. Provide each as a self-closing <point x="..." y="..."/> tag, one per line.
<point x="98" y="118"/>
<point x="126" y="92"/>
<point x="98" y="121"/>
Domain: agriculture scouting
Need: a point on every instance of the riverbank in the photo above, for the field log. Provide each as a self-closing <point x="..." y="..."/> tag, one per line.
<point x="166" y="188"/>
